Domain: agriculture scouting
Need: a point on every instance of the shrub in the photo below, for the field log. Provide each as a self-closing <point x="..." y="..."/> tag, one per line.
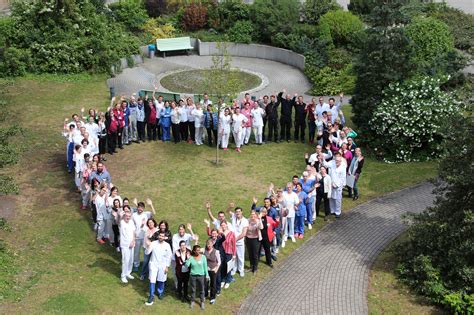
<point x="68" y="38"/>
<point x="155" y="8"/>
<point x="225" y="14"/>
<point x="432" y="41"/>
<point x="342" y="25"/>
<point x="130" y="13"/>
<point x="157" y="30"/>
<point x="460" y="24"/>
<point x="6" y="28"/>
<point x="329" y="81"/>
<point x="314" y="9"/>
<point x="273" y="16"/>
<point x="409" y="121"/>
<point x="241" y="32"/>
<point x="436" y="257"/>
<point x="194" y="16"/>
<point x="362" y="7"/>
<point x="15" y="61"/>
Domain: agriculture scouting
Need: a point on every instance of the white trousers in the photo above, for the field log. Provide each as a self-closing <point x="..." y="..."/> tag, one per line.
<point x="257" y="132"/>
<point x="247" y="133"/>
<point x="238" y="137"/>
<point x="239" y="266"/>
<point x="77" y="179"/>
<point x="224" y="140"/>
<point x="199" y="134"/>
<point x="127" y="261"/>
<point x="336" y="203"/>
<point x="136" y="251"/>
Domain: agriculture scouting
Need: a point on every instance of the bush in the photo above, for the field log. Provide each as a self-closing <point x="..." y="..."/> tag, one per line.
<point x="157" y="30"/>
<point x="432" y="42"/>
<point x="409" y="121"/>
<point x="460" y="24"/>
<point x="436" y="258"/>
<point x="6" y="28"/>
<point x="130" y="13"/>
<point x="343" y="26"/>
<point x="15" y="62"/>
<point x="329" y="81"/>
<point x="273" y="16"/>
<point x="155" y="8"/>
<point x="194" y="16"/>
<point x="225" y="14"/>
<point x="241" y="32"/>
<point x="314" y="9"/>
<point x="362" y="7"/>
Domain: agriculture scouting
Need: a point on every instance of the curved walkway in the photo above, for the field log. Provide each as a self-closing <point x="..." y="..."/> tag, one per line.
<point x="145" y="76"/>
<point x="329" y="273"/>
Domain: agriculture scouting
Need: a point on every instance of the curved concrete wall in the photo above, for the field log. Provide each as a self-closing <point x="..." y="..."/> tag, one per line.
<point x="255" y="51"/>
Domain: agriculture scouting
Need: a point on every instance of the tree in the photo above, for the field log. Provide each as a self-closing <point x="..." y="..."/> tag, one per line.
<point x="314" y="9"/>
<point x="385" y="58"/>
<point x="222" y="81"/>
<point x="436" y="259"/>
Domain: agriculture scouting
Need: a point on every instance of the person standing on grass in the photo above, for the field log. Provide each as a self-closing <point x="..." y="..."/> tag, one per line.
<point x="133" y="131"/>
<point x="210" y="122"/>
<point x="150" y="230"/>
<point x="151" y="114"/>
<point x="323" y="186"/>
<point x="300" y="211"/>
<point x="158" y="266"/>
<point x="141" y="120"/>
<point x="126" y="134"/>
<point x="355" y="169"/>
<point x="247" y="126"/>
<point x="268" y="233"/>
<point x="257" y="114"/>
<point x="230" y="250"/>
<point x="217" y="241"/>
<point x="127" y="244"/>
<point x="271" y="111"/>
<point x="213" y="257"/>
<point x="175" y="121"/>
<point x="101" y="206"/>
<point x="300" y="119"/>
<point x="287" y="104"/>
<point x="224" y="128"/>
<point x="240" y="224"/>
<point x="307" y="184"/>
<point x="338" y="178"/>
<point x="197" y="265"/>
<point x="181" y="256"/>
<point x="290" y="202"/>
<point x="191" y="120"/>
<point x="165" y="122"/>
<point x="177" y="238"/>
<point x="139" y="219"/>
<point x="183" y="121"/>
<point x="198" y="115"/>
<point x="252" y="239"/>
<point x="238" y="122"/>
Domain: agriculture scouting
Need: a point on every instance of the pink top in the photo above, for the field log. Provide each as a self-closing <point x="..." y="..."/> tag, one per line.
<point x="247" y="113"/>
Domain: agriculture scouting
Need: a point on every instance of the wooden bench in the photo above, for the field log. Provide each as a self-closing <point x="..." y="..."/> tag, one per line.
<point x="172" y="44"/>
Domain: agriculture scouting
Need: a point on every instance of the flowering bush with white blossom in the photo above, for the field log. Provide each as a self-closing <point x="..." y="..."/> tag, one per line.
<point x="409" y="122"/>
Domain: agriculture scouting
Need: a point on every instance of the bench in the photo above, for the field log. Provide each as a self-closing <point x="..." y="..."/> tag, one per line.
<point x="172" y="44"/>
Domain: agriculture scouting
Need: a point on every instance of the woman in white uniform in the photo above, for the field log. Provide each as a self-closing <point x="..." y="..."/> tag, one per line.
<point x="238" y="121"/>
<point x="224" y="128"/>
<point x="257" y="114"/>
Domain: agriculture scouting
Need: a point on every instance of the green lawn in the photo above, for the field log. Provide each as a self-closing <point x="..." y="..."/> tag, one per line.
<point x="60" y="267"/>
<point x="387" y="295"/>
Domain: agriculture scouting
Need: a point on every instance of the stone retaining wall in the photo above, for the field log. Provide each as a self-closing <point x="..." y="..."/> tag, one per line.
<point x="255" y="51"/>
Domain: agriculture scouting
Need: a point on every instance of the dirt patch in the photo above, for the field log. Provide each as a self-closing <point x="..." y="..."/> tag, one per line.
<point x="7" y="206"/>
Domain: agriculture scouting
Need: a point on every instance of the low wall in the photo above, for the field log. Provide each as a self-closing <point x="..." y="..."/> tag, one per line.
<point x="255" y="51"/>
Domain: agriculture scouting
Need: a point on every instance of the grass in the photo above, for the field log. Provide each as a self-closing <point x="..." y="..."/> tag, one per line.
<point x="58" y="268"/>
<point x="194" y="81"/>
<point x="387" y="295"/>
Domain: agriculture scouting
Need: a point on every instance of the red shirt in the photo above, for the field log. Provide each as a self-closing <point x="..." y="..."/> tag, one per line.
<point x="118" y="114"/>
<point x="229" y="244"/>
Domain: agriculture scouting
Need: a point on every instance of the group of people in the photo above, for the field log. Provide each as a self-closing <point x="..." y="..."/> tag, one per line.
<point x="148" y="247"/>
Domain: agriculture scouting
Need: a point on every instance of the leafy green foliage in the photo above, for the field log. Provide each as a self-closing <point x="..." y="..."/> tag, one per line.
<point x="130" y="13"/>
<point x="343" y="26"/>
<point x="241" y="32"/>
<point x="223" y="15"/>
<point x="362" y="7"/>
<point x="460" y="24"/>
<point x="385" y="58"/>
<point x="274" y="16"/>
<point x="15" y="61"/>
<point x="155" y="8"/>
<point x="314" y="9"/>
<point x="432" y="41"/>
<point x="65" y="37"/>
<point x="436" y="258"/>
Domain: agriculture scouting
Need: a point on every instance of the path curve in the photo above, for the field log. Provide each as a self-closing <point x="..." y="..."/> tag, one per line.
<point x="329" y="273"/>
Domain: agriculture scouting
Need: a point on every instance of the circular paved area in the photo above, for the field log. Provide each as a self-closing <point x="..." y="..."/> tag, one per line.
<point x="144" y="76"/>
<point x="329" y="273"/>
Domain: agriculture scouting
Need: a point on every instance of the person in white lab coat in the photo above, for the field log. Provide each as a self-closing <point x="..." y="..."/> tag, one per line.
<point x="198" y="115"/>
<point x="127" y="243"/>
<point x="160" y="261"/>
<point x="257" y="114"/>
<point x="237" y="128"/>
<point x="338" y="178"/>
<point x="224" y="128"/>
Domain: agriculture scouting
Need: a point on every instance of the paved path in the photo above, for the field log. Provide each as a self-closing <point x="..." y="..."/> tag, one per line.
<point x="280" y="76"/>
<point x="328" y="274"/>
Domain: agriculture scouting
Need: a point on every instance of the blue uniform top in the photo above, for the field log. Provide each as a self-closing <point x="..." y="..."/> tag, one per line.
<point x="308" y="185"/>
<point x="165" y="116"/>
<point x="301" y="211"/>
<point x="207" y="120"/>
